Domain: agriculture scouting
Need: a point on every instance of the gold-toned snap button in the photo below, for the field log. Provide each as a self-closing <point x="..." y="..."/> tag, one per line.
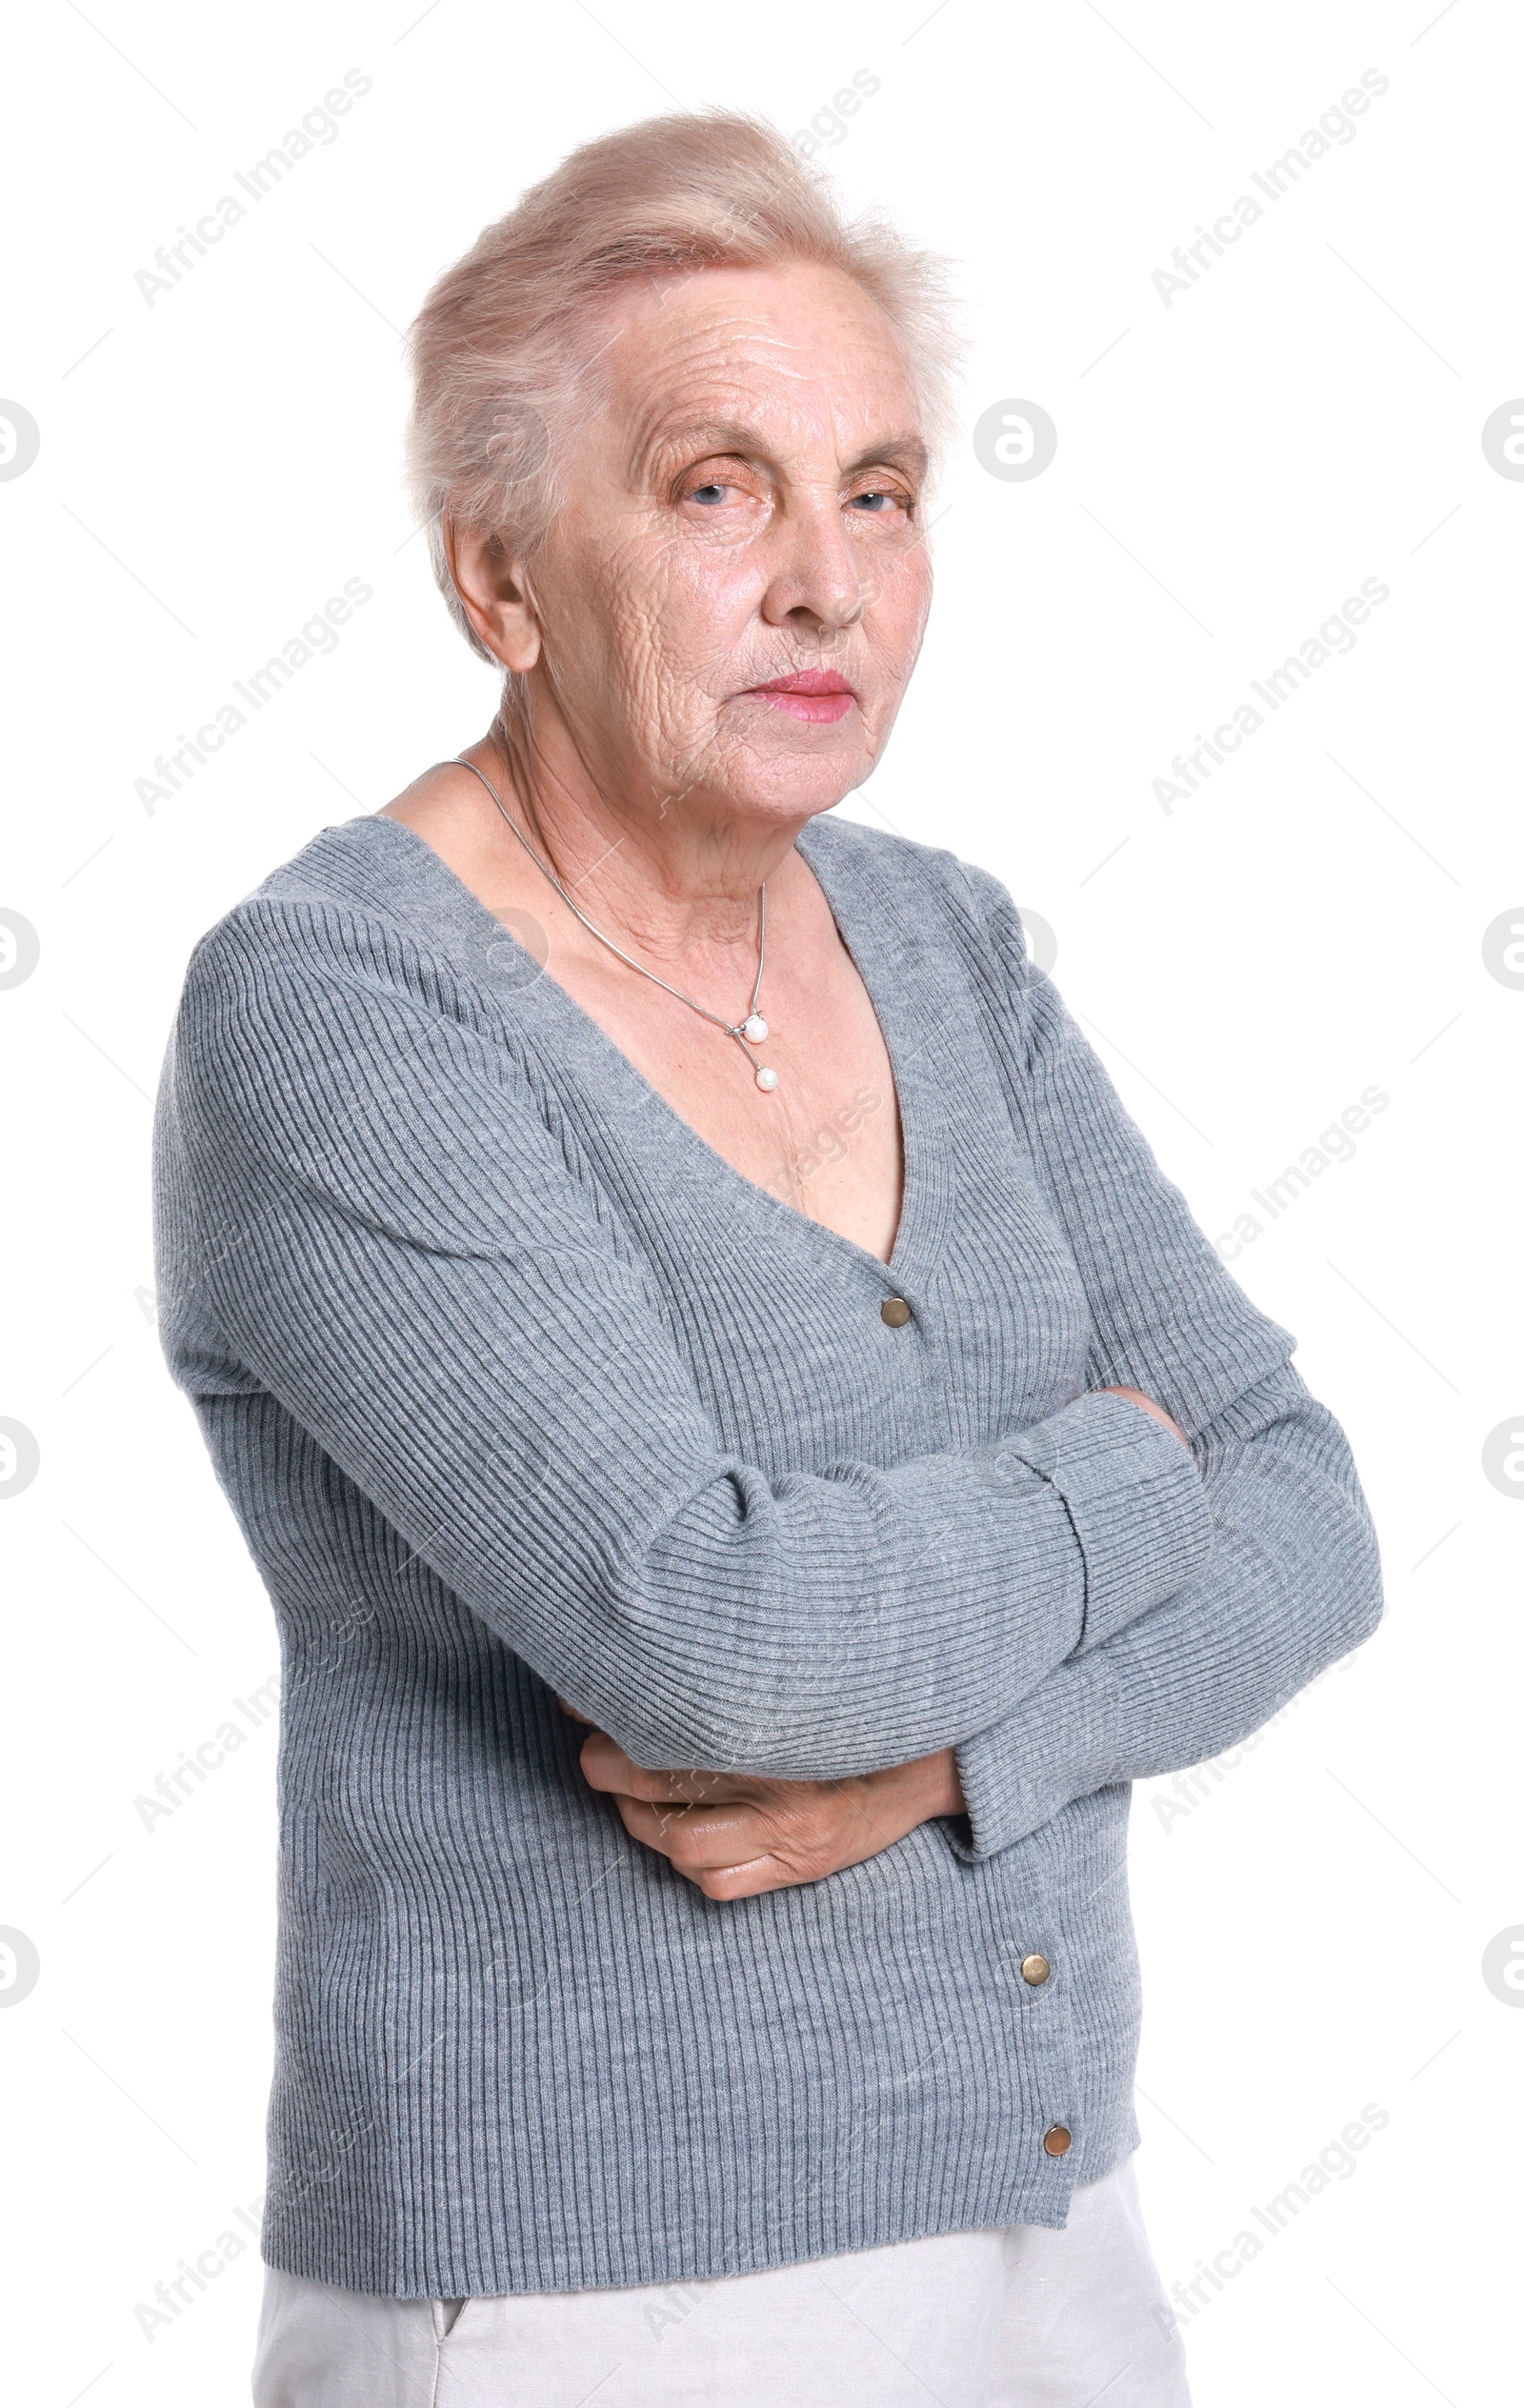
<point x="1036" y="1970"/>
<point x="895" y="1311"/>
<point x="1058" y="2140"/>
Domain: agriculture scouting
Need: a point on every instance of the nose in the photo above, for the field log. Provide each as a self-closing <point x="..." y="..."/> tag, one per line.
<point x="814" y="587"/>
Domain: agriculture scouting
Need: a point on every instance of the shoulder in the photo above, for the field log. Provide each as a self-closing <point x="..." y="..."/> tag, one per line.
<point x="338" y="1040"/>
<point x="358" y="983"/>
<point x="366" y="907"/>
<point x="927" y="885"/>
<point x="359" y="870"/>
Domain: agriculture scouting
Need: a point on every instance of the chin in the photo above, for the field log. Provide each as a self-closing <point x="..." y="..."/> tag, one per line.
<point x="791" y="786"/>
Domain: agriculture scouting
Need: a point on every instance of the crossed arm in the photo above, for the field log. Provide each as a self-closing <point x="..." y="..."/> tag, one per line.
<point x="1291" y="1584"/>
<point x="734" y="1837"/>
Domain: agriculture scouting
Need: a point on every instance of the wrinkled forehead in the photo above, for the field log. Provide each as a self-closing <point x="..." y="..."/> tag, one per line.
<point x="784" y="362"/>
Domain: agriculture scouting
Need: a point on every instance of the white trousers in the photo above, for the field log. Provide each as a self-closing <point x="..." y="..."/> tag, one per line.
<point x="1018" y="2316"/>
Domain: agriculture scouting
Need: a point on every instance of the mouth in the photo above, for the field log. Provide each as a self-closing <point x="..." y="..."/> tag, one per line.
<point x="818" y="695"/>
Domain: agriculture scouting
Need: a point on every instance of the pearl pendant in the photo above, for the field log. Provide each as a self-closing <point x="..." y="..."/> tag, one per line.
<point x="767" y="1080"/>
<point x="755" y="1030"/>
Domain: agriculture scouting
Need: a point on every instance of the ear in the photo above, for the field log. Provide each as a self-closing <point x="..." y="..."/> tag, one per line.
<point x="496" y="594"/>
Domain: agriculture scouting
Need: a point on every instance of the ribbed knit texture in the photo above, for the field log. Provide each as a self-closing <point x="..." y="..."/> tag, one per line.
<point x="517" y="1388"/>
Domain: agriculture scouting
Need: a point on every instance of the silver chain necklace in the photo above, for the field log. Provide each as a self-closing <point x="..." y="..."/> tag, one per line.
<point x="751" y="1031"/>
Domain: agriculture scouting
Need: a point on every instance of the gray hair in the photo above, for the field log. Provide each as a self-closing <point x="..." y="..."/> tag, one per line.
<point x="505" y="353"/>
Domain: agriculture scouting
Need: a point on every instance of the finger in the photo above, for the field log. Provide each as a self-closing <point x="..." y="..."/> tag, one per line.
<point x="696" y="1838"/>
<point x="605" y="1763"/>
<point x="725" y="1855"/>
<point x="660" y="1827"/>
<point x="683" y="1789"/>
<point x="752" y="1880"/>
<point x="749" y="1876"/>
<point x="607" y="1767"/>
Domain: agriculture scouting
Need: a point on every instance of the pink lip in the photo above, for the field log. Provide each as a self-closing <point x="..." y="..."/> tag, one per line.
<point x="818" y="695"/>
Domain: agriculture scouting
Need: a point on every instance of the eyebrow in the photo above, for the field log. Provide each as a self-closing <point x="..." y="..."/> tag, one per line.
<point x="721" y="436"/>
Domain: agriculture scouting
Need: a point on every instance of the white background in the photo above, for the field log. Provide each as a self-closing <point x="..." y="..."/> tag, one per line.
<point x="1307" y="416"/>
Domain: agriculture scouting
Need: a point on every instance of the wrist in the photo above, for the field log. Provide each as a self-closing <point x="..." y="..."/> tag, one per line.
<point x="931" y="1786"/>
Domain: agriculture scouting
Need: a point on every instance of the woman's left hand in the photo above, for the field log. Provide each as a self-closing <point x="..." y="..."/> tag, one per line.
<point x="735" y="1836"/>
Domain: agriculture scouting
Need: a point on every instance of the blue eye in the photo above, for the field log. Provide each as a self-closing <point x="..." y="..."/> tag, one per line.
<point x="877" y="500"/>
<point x="708" y="495"/>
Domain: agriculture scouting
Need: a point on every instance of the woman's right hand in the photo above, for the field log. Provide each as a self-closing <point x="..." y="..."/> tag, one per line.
<point x="735" y="1836"/>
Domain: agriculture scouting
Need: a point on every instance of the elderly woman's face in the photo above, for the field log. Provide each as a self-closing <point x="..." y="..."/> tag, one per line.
<point x="748" y="511"/>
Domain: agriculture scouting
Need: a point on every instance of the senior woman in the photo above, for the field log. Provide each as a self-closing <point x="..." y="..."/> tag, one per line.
<point x="648" y="1257"/>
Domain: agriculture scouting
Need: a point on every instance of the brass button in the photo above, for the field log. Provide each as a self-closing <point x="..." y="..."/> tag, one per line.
<point x="895" y="1311"/>
<point x="1035" y="1969"/>
<point x="1058" y="2140"/>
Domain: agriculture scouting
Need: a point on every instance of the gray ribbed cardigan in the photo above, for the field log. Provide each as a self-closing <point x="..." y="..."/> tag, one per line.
<point x="517" y="1387"/>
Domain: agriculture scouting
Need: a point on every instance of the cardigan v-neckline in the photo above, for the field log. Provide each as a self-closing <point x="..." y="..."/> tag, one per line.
<point x="902" y="993"/>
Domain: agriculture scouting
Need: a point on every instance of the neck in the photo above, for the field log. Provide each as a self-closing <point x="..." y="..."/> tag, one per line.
<point x="677" y="870"/>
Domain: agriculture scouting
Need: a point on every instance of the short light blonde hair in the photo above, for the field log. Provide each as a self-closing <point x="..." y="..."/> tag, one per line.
<point x="505" y="352"/>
